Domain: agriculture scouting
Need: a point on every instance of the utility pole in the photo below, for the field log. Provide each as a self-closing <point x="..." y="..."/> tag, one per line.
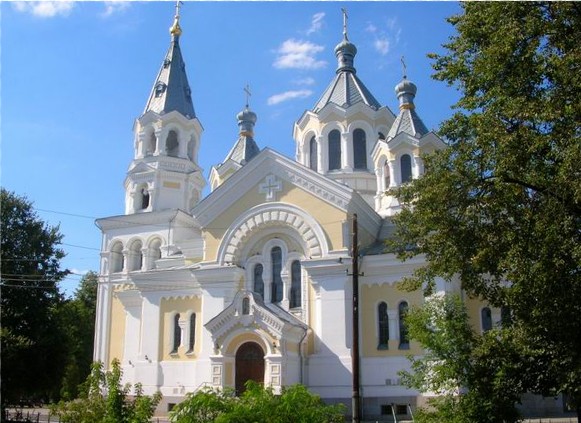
<point x="356" y="399"/>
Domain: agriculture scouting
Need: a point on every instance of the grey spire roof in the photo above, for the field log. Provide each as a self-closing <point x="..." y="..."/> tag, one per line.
<point x="407" y="120"/>
<point x="346" y="89"/>
<point x="245" y="147"/>
<point x="171" y="90"/>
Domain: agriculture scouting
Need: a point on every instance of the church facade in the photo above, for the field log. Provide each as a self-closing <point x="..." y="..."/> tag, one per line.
<point x="252" y="282"/>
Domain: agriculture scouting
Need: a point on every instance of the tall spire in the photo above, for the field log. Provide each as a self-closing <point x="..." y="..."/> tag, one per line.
<point x="171" y="90"/>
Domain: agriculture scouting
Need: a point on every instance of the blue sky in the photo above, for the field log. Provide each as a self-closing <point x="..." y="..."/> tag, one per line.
<point x="75" y="75"/>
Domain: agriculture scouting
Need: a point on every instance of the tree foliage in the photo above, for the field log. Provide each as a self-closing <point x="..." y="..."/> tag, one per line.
<point x="467" y="372"/>
<point x="33" y="351"/>
<point x="257" y="404"/>
<point x="77" y="321"/>
<point x="500" y="208"/>
<point x="106" y="400"/>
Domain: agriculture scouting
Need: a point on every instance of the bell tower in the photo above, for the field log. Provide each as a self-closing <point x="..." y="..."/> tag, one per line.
<point x="164" y="173"/>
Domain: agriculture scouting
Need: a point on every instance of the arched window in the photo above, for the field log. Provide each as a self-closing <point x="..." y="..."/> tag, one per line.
<point x="154" y="253"/>
<point x="171" y="144"/>
<point x="116" y="258"/>
<point x="177" y="334"/>
<point x="359" y="149"/>
<point x="192" y="339"/>
<point x="258" y="281"/>
<point x="383" y="326"/>
<point x="386" y="175"/>
<point x="276" y="259"/>
<point x="151" y="145"/>
<point x="295" y="292"/>
<point x="144" y="198"/>
<point x="406" y="168"/>
<point x="334" y="150"/>
<point x="245" y="305"/>
<point x="313" y="154"/>
<point x="135" y="256"/>
<point x="404" y="341"/>
<point x="486" y="316"/>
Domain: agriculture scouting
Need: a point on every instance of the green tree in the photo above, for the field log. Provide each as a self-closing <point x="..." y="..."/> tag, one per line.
<point x="466" y="371"/>
<point x="500" y="208"/>
<point x="33" y="348"/>
<point x="77" y="319"/>
<point x="257" y="404"/>
<point x="106" y="400"/>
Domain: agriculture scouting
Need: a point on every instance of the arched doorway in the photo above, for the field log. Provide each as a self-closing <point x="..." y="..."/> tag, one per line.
<point x="249" y="365"/>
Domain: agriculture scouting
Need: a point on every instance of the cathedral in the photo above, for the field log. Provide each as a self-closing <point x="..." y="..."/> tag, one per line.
<point x="254" y="280"/>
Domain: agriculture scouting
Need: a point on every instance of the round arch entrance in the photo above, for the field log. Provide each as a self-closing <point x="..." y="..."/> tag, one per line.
<point x="249" y="365"/>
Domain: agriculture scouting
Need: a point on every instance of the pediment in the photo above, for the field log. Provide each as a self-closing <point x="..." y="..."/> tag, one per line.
<point x="249" y="312"/>
<point x="140" y="167"/>
<point x="262" y="180"/>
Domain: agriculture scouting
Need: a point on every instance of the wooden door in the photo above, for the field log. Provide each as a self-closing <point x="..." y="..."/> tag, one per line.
<point x="249" y="365"/>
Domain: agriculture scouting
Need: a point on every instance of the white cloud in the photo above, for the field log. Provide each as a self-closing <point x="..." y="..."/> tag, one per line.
<point x="371" y="28"/>
<point x="382" y="45"/>
<point x="288" y="95"/>
<point x="316" y="22"/>
<point x="385" y="36"/>
<point x="305" y="81"/>
<point x="79" y="272"/>
<point x="293" y="54"/>
<point x="112" y="7"/>
<point x="45" y="9"/>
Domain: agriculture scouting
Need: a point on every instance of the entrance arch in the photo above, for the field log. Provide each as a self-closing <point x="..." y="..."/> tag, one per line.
<point x="249" y="365"/>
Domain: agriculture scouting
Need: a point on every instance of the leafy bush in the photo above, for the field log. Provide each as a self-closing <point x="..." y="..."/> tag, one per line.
<point x="256" y="405"/>
<point x="105" y="400"/>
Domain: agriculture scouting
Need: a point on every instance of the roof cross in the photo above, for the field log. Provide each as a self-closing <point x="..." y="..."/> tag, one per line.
<point x="178" y="5"/>
<point x="344" y="21"/>
<point x="248" y="93"/>
<point x="403" y="68"/>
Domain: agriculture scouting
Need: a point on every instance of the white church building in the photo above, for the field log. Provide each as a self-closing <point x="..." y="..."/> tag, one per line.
<point x="252" y="281"/>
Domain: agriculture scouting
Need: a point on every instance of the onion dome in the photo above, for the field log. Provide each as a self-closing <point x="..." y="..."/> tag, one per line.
<point x="345" y="52"/>
<point x="407" y="120"/>
<point x="246" y="121"/>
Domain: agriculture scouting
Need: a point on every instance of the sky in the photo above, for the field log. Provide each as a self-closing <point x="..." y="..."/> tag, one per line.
<point x="74" y="76"/>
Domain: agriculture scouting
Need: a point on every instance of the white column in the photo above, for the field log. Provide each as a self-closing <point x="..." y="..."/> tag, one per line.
<point x="392" y="182"/>
<point x="322" y="152"/>
<point x="150" y="324"/>
<point x="346" y="152"/>
<point x="103" y="317"/>
<point x="418" y="167"/>
<point x="393" y="321"/>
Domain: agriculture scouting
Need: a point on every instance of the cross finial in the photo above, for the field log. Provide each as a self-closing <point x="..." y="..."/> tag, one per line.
<point x="178" y="5"/>
<point x="344" y="22"/>
<point x="248" y="93"/>
<point x="403" y="68"/>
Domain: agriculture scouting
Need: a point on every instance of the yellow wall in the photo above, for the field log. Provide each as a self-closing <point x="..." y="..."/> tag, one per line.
<point x="371" y="296"/>
<point x="183" y="306"/>
<point x="330" y="218"/>
<point x="117" y="329"/>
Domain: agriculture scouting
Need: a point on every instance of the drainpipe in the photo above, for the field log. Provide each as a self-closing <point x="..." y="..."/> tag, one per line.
<point x="301" y="376"/>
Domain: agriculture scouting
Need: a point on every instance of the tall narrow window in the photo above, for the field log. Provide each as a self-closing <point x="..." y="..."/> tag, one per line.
<point x="295" y="292"/>
<point x="245" y="305"/>
<point x="313" y="154"/>
<point x="117" y="258"/>
<point x="383" y="326"/>
<point x="177" y="334"/>
<point x="334" y="150"/>
<point x="258" y="281"/>
<point x="276" y="258"/>
<point x="486" y="316"/>
<point x="192" y="340"/>
<point x="406" y="168"/>
<point x="386" y="175"/>
<point x="404" y="341"/>
<point x="151" y="145"/>
<point x="144" y="198"/>
<point x="171" y="144"/>
<point x="359" y="149"/>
